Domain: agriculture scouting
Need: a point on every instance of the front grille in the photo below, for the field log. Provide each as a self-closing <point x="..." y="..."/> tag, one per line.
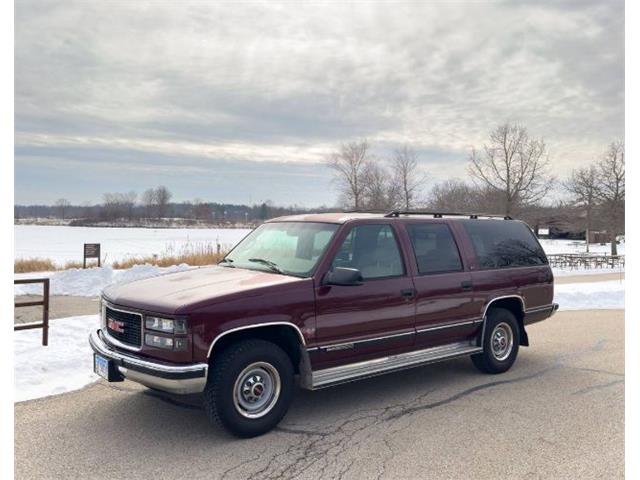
<point x="131" y="323"/>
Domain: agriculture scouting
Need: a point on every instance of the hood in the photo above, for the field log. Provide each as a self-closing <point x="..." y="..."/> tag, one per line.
<point x="175" y="292"/>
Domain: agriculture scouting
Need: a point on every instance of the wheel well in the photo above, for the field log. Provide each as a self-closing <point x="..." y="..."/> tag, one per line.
<point x="514" y="305"/>
<point x="286" y="337"/>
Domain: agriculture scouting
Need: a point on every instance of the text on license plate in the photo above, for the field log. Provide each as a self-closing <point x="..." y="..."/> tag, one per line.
<point x="101" y="366"/>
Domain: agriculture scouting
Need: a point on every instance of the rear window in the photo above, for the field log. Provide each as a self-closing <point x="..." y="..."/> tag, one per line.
<point x="504" y="243"/>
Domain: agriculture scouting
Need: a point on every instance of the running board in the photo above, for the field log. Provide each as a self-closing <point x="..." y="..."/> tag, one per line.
<point x="356" y="371"/>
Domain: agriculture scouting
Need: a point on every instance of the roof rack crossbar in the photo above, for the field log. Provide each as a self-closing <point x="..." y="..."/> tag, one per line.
<point x="397" y="213"/>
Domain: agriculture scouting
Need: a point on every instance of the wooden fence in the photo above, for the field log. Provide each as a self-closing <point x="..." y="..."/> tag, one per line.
<point x="44" y="325"/>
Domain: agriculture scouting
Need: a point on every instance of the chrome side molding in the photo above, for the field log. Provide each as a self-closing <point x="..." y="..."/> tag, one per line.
<point x="355" y="371"/>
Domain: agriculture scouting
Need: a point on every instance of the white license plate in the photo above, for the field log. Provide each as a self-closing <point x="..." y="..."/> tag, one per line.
<point x="101" y="366"/>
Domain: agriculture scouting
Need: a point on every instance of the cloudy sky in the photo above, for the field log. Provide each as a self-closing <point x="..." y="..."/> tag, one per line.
<point x="242" y="101"/>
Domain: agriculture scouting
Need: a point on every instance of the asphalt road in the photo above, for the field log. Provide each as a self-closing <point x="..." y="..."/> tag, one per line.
<point x="558" y="413"/>
<point x="60" y="306"/>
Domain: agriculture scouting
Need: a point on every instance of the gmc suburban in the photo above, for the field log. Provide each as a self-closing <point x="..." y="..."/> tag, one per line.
<point x="318" y="300"/>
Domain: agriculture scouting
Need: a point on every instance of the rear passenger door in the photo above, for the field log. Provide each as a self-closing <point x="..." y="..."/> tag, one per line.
<point x="444" y="303"/>
<point x="372" y="319"/>
<point x="508" y="260"/>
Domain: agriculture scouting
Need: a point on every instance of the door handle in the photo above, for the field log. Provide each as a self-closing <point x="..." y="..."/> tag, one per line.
<point x="466" y="286"/>
<point x="408" y="292"/>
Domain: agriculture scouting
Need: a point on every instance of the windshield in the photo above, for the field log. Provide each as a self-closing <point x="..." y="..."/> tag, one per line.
<point x="292" y="248"/>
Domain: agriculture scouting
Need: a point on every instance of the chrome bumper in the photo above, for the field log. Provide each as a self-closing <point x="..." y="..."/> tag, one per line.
<point x="161" y="376"/>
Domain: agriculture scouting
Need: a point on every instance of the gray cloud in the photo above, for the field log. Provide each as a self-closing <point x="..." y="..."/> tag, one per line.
<point x="208" y="84"/>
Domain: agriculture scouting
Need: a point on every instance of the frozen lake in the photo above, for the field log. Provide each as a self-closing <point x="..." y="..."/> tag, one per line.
<point x="62" y="244"/>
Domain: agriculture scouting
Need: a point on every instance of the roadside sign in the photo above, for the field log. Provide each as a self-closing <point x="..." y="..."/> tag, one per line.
<point x="91" y="250"/>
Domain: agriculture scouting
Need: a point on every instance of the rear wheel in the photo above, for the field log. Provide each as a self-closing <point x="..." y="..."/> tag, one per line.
<point x="501" y="339"/>
<point x="249" y="388"/>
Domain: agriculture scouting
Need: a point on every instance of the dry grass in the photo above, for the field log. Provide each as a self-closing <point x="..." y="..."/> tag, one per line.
<point x="194" y="259"/>
<point x="72" y="264"/>
<point x="25" y="265"/>
<point x="194" y="254"/>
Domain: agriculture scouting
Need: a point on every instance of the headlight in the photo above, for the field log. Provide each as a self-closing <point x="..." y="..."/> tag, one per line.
<point x="168" y="343"/>
<point x="166" y="325"/>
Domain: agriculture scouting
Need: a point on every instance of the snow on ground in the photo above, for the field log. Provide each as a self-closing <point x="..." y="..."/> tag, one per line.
<point x="91" y="281"/>
<point x="567" y="272"/>
<point x="576" y="246"/>
<point x="62" y="243"/>
<point x="65" y="364"/>
<point x="591" y="295"/>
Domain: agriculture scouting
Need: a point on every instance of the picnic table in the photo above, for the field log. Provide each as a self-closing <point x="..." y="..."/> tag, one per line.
<point x="585" y="261"/>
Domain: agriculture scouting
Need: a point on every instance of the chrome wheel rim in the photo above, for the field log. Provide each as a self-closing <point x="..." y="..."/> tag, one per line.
<point x="501" y="341"/>
<point x="256" y="390"/>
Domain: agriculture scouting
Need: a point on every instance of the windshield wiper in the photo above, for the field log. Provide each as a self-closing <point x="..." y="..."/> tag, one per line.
<point x="273" y="266"/>
<point x="227" y="260"/>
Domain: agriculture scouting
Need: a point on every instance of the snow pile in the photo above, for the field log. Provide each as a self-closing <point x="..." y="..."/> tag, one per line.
<point x="91" y="281"/>
<point x="65" y="364"/>
<point x="591" y="295"/>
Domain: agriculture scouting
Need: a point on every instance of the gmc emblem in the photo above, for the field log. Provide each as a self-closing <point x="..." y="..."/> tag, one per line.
<point x="115" y="325"/>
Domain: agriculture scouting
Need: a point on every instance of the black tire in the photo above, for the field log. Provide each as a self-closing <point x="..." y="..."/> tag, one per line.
<point x="260" y="363"/>
<point x="499" y="351"/>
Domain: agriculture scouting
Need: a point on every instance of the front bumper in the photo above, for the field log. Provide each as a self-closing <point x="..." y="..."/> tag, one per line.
<point x="168" y="377"/>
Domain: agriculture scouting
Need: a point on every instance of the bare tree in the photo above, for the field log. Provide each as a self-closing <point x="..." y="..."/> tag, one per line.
<point x="350" y="165"/>
<point x="162" y="197"/>
<point x="148" y="201"/>
<point x="583" y="186"/>
<point x="62" y="204"/>
<point x="514" y="165"/>
<point x="379" y="192"/>
<point x="406" y="175"/>
<point x="611" y="190"/>
<point x="453" y="196"/>
<point x="111" y="205"/>
<point x="128" y="201"/>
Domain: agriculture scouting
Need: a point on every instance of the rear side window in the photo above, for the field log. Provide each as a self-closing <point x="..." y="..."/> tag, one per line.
<point x="373" y="250"/>
<point x="504" y="243"/>
<point x="434" y="248"/>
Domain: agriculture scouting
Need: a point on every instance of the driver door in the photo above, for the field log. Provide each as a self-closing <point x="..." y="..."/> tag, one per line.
<point x="375" y="318"/>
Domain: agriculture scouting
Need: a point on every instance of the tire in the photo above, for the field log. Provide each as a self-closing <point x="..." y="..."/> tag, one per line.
<point x="249" y="388"/>
<point x="501" y="339"/>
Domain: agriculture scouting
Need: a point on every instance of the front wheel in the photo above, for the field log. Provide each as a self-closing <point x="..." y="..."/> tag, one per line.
<point x="249" y="388"/>
<point x="500" y="342"/>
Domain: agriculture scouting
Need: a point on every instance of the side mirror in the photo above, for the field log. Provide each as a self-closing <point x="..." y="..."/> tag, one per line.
<point x="343" y="276"/>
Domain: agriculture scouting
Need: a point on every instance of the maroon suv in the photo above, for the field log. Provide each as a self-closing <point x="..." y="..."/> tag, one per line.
<point x="324" y="299"/>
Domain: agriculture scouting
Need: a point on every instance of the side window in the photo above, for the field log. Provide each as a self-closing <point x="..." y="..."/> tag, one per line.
<point x="434" y="248"/>
<point x="504" y="243"/>
<point x="373" y="250"/>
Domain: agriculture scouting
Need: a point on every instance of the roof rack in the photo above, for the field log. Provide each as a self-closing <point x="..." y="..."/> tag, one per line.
<point x="397" y="213"/>
<point x="365" y="210"/>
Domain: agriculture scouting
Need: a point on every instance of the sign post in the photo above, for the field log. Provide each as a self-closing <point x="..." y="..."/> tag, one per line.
<point x="91" y="250"/>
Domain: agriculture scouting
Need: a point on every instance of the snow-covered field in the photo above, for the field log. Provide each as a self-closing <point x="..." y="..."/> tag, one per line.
<point x="577" y="246"/>
<point x="62" y="244"/>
